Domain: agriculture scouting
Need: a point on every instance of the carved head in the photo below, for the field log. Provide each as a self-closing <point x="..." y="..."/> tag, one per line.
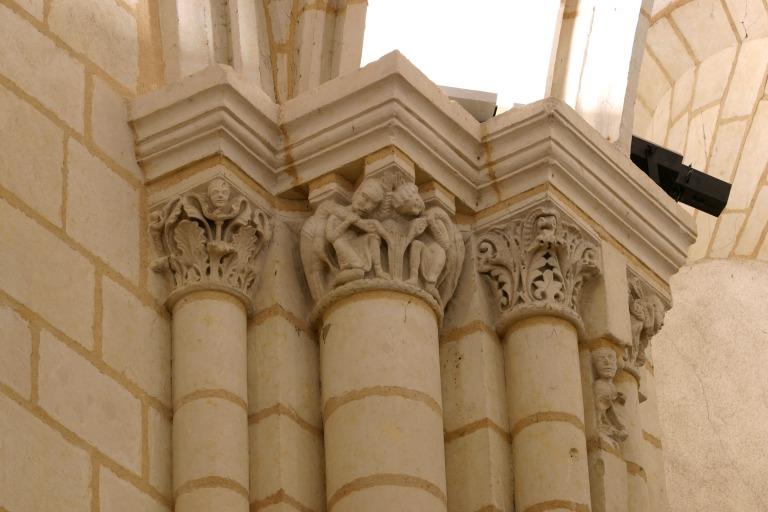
<point x="367" y="197"/>
<point x="546" y="224"/>
<point x="218" y="193"/>
<point x="407" y="201"/>
<point x="605" y="362"/>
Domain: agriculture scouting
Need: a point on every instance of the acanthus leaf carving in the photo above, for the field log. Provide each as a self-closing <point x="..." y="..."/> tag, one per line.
<point x="210" y="238"/>
<point x="646" y="310"/>
<point x="384" y="235"/>
<point x="538" y="262"/>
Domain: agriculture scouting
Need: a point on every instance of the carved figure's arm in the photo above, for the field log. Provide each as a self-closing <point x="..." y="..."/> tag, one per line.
<point x="335" y="227"/>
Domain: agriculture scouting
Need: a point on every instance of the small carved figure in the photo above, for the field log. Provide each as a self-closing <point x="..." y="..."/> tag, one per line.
<point x="610" y="428"/>
<point x="646" y="311"/>
<point x="357" y="241"/>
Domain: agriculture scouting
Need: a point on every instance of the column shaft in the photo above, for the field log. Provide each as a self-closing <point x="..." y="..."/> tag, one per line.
<point x="382" y="411"/>
<point x="210" y="424"/>
<point x="546" y="415"/>
<point x="632" y="448"/>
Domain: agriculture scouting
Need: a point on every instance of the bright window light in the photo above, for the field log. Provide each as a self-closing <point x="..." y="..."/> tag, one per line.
<point x="500" y="46"/>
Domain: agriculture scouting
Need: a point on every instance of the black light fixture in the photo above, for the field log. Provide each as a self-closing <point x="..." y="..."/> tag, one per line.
<point x="681" y="182"/>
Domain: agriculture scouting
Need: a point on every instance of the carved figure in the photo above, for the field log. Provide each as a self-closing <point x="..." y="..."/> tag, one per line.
<point x="538" y="260"/>
<point x="383" y="229"/>
<point x="646" y="311"/>
<point x="610" y="428"/>
<point x="209" y="237"/>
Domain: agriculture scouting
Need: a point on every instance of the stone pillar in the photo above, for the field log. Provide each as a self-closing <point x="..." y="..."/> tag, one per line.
<point x="209" y="240"/>
<point x="538" y="262"/>
<point x="381" y="270"/>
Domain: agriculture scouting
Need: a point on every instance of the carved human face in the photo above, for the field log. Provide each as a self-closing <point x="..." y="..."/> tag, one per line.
<point x="218" y="193"/>
<point x="546" y="224"/>
<point x="367" y="197"/>
<point x="605" y="363"/>
<point x="407" y="201"/>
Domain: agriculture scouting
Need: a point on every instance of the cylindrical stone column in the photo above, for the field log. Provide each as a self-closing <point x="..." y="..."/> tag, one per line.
<point x="381" y="265"/>
<point x="383" y="424"/>
<point x="546" y="415"/>
<point x="632" y="447"/>
<point x="210" y="420"/>
<point x="538" y="263"/>
<point x="208" y="240"/>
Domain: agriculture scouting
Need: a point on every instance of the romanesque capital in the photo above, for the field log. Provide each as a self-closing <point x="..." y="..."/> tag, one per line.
<point x="646" y="310"/>
<point x="538" y="262"/>
<point x="209" y="238"/>
<point x="383" y="239"/>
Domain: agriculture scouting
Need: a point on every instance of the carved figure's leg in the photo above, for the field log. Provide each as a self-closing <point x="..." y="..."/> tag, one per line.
<point x="374" y="248"/>
<point x="414" y="262"/>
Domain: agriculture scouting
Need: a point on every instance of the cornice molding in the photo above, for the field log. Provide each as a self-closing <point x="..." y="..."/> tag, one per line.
<point x="391" y="103"/>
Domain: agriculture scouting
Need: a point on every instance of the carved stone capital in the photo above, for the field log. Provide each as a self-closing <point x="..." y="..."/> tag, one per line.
<point x="537" y="263"/>
<point x="209" y="239"/>
<point x="384" y="238"/>
<point x="646" y="311"/>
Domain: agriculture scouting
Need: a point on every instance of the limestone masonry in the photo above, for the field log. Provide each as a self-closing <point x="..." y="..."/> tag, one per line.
<point x="240" y="273"/>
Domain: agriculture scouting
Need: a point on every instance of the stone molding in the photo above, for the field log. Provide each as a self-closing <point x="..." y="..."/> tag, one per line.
<point x="390" y="102"/>
<point x="209" y="239"/>
<point x="537" y="263"/>
<point x="383" y="239"/>
<point x="646" y="309"/>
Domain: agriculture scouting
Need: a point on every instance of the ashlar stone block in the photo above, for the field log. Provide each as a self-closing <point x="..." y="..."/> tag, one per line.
<point x="116" y="495"/>
<point x="160" y="461"/>
<point x="89" y="403"/>
<point x="30" y="59"/>
<point x="109" y="125"/>
<point x="39" y="470"/>
<point x="16" y="347"/>
<point x="102" y="211"/>
<point x="748" y="79"/>
<point x="136" y="341"/>
<point x="45" y="274"/>
<point x="103" y="31"/>
<point x="31" y="156"/>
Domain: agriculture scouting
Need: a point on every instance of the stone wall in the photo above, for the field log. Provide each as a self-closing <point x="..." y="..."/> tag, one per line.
<point x="703" y="94"/>
<point x="85" y="367"/>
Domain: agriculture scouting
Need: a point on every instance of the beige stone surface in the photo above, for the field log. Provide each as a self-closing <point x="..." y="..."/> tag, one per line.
<point x="712" y="407"/>
<point x="136" y="341"/>
<point x="160" y="462"/>
<point x="384" y="498"/>
<point x="209" y="333"/>
<point x="682" y="92"/>
<point x="472" y="372"/>
<point x="400" y="347"/>
<point x="705" y="225"/>
<point x="713" y="76"/>
<point x="16" y="347"/>
<point x="755" y="225"/>
<point x="408" y="441"/>
<point x="653" y="82"/>
<point x="285" y="455"/>
<point x="608" y="482"/>
<point x="283" y="368"/>
<point x="102" y="211"/>
<point x="677" y="134"/>
<point x="45" y="274"/>
<point x="748" y="79"/>
<point x="700" y="132"/>
<point x="39" y="470"/>
<point x="602" y="301"/>
<point x="705" y="26"/>
<point x="725" y="237"/>
<point x="660" y="120"/>
<point x="209" y="439"/>
<point x="89" y="403"/>
<point x="208" y="499"/>
<point x="754" y="159"/>
<point x="725" y="150"/>
<point x="33" y="7"/>
<point x="102" y="31"/>
<point x="669" y="49"/>
<point x="109" y="124"/>
<point x="542" y="369"/>
<point x="31" y="156"/>
<point x="550" y="462"/>
<point x="750" y="17"/>
<point x="479" y="471"/>
<point x="116" y="495"/>
<point x="29" y="59"/>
